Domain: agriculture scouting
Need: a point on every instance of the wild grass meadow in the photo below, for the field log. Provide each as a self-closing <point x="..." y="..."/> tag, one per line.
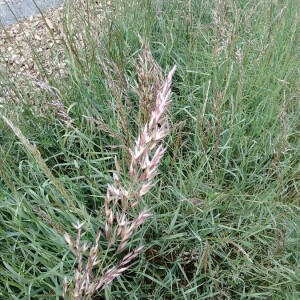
<point x="163" y="163"/>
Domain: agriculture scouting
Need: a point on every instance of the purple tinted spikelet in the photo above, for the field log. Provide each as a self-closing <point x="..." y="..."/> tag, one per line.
<point x="121" y="197"/>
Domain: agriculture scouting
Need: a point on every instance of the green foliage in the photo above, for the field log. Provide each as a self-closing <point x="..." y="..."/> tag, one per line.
<point x="225" y="210"/>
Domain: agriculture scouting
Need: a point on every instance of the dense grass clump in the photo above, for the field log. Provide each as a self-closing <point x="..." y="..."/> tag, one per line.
<point x="224" y="208"/>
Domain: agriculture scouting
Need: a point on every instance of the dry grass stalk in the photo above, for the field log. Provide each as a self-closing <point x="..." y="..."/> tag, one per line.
<point x="240" y="62"/>
<point x="102" y="126"/>
<point x="60" y="111"/>
<point x="121" y="198"/>
<point x="118" y="84"/>
<point x="47" y="218"/>
<point x="56" y="105"/>
<point x="150" y="78"/>
<point x="33" y="150"/>
<point x="223" y="29"/>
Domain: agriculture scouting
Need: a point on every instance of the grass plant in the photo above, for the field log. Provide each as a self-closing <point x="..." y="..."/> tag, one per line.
<point x="225" y="205"/>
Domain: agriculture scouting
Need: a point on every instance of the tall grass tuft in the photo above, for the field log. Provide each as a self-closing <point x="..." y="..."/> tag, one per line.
<point x="80" y="153"/>
<point x="119" y="201"/>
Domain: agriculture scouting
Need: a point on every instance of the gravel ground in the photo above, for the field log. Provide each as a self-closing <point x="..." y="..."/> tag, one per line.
<point x="21" y="42"/>
<point x="18" y="41"/>
<point x="38" y="40"/>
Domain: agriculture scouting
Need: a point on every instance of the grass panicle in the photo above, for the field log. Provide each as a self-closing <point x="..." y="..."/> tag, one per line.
<point x="145" y="160"/>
